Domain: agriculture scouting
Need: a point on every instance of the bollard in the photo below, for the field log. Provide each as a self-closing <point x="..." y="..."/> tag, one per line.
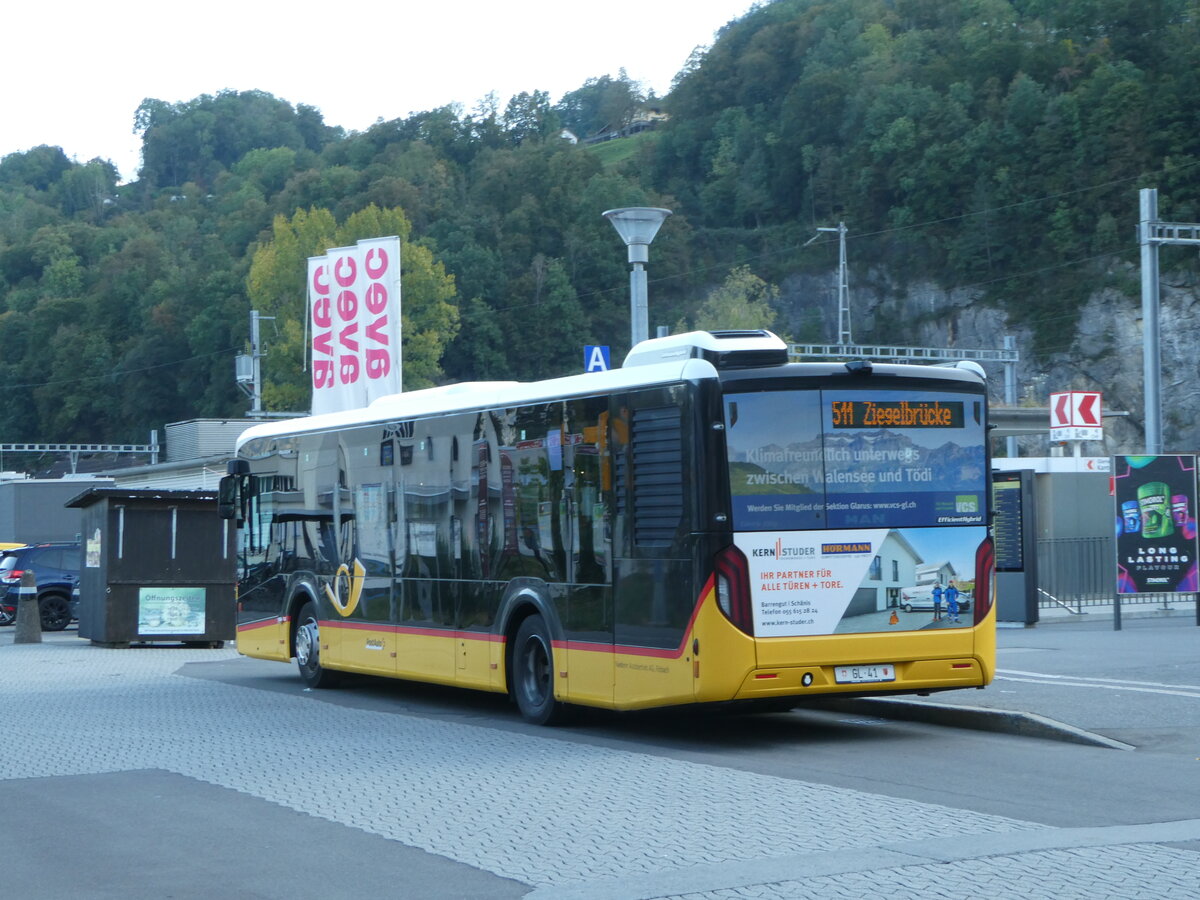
<point x="29" y="616"/>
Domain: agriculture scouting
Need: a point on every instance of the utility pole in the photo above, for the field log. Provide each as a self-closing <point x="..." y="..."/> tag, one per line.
<point x="845" y="346"/>
<point x="1010" y="388"/>
<point x="1151" y="234"/>
<point x="248" y="367"/>
<point x="843" y="285"/>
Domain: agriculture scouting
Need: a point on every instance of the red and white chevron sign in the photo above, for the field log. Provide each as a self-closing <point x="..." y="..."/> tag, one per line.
<point x="1075" y="416"/>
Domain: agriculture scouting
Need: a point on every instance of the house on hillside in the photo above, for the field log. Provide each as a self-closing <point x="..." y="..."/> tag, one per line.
<point x="645" y="119"/>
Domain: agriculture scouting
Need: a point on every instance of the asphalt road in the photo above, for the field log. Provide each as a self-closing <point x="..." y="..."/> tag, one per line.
<point x="1139" y="686"/>
<point x="168" y="772"/>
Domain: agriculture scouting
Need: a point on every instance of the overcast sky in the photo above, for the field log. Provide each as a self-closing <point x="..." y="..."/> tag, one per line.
<point x="75" y="72"/>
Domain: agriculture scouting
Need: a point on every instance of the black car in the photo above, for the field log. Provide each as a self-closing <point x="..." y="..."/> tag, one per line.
<point x="56" y="567"/>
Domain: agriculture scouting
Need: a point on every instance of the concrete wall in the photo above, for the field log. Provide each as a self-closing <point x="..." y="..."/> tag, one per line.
<point x="1074" y="505"/>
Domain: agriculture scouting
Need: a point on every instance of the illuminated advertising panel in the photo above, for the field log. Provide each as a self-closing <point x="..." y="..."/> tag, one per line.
<point x="1155" y="499"/>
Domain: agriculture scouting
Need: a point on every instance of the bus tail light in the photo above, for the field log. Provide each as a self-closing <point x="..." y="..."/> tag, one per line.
<point x="985" y="566"/>
<point x="733" y="588"/>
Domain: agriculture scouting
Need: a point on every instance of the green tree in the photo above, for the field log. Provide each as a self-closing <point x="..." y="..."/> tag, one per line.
<point x="548" y="331"/>
<point x="529" y="116"/>
<point x="88" y="188"/>
<point x="197" y="140"/>
<point x="39" y="168"/>
<point x="601" y="104"/>
<point x="742" y="301"/>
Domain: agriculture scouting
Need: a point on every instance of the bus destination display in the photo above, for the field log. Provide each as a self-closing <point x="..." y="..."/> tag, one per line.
<point x="896" y="413"/>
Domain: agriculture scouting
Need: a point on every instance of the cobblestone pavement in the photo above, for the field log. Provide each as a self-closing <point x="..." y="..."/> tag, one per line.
<point x="568" y="819"/>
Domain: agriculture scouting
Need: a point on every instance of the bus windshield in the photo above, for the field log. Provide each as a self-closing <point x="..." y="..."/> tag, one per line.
<point x="802" y="459"/>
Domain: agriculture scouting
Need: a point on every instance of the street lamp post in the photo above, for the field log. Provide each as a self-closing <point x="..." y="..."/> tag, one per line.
<point x="637" y="226"/>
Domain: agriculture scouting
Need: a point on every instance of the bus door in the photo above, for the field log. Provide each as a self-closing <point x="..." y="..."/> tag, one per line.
<point x="587" y="490"/>
<point x="425" y="634"/>
<point x="262" y="578"/>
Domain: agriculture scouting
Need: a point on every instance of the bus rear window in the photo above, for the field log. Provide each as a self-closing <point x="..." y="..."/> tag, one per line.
<point x="855" y="459"/>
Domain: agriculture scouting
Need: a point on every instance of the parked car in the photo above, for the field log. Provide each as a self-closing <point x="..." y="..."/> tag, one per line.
<point x="56" y="568"/>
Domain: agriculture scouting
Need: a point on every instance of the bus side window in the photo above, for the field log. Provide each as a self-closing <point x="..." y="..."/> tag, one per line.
<point x="590" y="499"/>
<point x="618" y="455"/>
<point x="539" y="481"/>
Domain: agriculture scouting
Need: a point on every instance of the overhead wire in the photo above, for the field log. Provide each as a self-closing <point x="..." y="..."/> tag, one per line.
<point x="121" y="372"/>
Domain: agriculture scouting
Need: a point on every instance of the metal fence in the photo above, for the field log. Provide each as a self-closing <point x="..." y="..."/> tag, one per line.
<point x="1075" y="573"/>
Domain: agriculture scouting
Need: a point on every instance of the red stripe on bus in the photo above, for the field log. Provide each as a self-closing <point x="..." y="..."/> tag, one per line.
<point x="488" y="637"/>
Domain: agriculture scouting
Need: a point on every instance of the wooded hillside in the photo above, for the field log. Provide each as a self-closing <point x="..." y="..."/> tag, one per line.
<point x="980" y="144"/>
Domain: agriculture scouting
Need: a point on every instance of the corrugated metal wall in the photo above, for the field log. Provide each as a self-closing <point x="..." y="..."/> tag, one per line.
<point x="199" y="438"/>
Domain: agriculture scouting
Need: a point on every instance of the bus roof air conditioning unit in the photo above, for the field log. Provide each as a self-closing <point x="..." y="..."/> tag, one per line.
<point x="745" y="349"/>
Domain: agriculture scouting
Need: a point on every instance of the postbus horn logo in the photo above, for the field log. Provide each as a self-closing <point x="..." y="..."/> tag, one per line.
<point x="352" y="584"/>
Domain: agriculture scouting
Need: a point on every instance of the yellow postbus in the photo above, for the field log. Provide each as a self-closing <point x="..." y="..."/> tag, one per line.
<point x="709" y="523"/>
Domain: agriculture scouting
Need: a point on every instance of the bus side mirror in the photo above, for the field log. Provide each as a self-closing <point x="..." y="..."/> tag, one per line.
<point x="227" y="497"/>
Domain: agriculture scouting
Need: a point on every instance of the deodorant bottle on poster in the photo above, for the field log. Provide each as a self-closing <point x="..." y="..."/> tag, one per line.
<point x="1131" y="517"/>
<point x="1179" y="509"/>
<point x="1154" y="503"/>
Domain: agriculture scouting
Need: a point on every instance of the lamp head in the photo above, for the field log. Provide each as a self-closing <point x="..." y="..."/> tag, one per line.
<point x="637" y="226"/>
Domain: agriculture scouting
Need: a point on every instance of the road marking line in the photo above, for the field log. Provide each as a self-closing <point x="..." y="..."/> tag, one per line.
<point x="1108" y="684"/>
<point x="1162" y="684"/>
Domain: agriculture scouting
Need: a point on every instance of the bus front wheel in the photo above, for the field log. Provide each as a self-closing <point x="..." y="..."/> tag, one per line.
<point x="306" y="647"/>
<point x="532" y="681"/>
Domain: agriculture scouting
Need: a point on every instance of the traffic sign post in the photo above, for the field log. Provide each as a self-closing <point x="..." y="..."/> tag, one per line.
<point x="596" y="358"/>
<point x="1076" y="416"/>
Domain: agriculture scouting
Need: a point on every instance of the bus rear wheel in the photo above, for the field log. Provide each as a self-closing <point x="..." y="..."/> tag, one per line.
<point x="306" y="647"/>
<point x="532" y="681"/>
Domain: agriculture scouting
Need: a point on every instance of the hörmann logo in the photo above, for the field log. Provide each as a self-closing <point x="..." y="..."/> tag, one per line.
<point x="781" y="552"/>
<point x="856" y="547"/>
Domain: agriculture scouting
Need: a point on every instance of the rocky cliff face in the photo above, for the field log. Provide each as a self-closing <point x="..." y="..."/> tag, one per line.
<point x="1102" y="351"/>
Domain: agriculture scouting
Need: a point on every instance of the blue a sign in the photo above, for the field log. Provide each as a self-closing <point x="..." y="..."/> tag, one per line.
<point x="596" y="358"/>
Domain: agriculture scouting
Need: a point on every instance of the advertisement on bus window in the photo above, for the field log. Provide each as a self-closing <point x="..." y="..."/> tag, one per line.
<point x="1155" y="500"/>
<point x="863" y="580"/>
<point x="855" y="459"/>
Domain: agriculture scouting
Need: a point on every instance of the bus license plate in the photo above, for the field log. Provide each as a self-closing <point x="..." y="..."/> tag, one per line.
<point x="864" y="674"/>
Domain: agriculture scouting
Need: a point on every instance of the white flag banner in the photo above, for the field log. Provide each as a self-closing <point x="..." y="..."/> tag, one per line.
<point x="320" y="313"/>
<point x="354" y="306"/>
<point x="336" y="366"/>
<point x="379" y="315"/>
